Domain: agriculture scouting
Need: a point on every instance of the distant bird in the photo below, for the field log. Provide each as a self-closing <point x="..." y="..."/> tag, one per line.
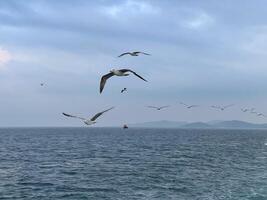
<point x="41" y="84"/>
<point x="245" y="109"/>
<point x="123" y="90"/>
<point x="188" y="106"/>
<point x="158" y="108"/>
<point x="88" y="121"/>
<point x="114" y="72"/>
<point x="260" y="114"/>
<point x="135" y="53"/>
<point x="222" y="108"/>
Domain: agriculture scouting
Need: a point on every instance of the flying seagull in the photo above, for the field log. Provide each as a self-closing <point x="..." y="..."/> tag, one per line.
<point x="158" y="108"/>
<point x="245" y="109"/>
<point x="135" y="53"/>
<point x="41" y="84"/>
<point x="260" y="114"/>
<point x="88" y="121"/>
<point x="119" y="72"/>
<point x="188" y="106"/>
<point x="222" y="108"/>
<point x="123" y="90"/>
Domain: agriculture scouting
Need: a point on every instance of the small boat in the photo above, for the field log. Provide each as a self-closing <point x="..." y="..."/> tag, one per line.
<point x="125" y="126"/>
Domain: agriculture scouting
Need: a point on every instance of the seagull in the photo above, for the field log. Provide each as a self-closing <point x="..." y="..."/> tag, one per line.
<point x="189" y="106"/>
<point x="260" y="114"/>
<point x="88" y="121"/>
<point x="222" y="108"/>
<point x="158" y="108"/>
<point x="244" y="109"/>
<point x="247" y="109"/>
<point x="119" y="72"/>
<point x="135" y="53"/>
<point x="41" y="84"/>
<point x="123" y="90"/>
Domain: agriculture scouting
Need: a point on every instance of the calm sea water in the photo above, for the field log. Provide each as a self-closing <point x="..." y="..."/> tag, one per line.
<point x="110" y="163"/>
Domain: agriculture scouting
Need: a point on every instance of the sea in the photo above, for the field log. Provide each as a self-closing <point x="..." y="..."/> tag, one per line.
<point x="132" y="164"/>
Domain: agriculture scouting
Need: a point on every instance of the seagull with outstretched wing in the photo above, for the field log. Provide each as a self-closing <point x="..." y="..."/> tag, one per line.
<point x="230" y="105"/>
<point x="119" y="72"/>
<point x="222" y="108"/>
<point x="135" y="53"/>
<point x="158" y="108"/>
<point x="88" y="121"/>
<point x="188" y="106"/>
<point x="261" y="115"/>
<point x="244" y="109"/>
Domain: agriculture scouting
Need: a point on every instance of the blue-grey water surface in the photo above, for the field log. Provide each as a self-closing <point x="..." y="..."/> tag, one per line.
<point x="111" y="163"/>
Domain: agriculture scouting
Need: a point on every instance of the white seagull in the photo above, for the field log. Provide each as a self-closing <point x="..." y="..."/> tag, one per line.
<point x="88" y="121"/>
<point x="158" y="108"/>
<point x="135" y="53"/>
<point x="119" y="72"/>
<point x="222" y="108"/>
<point x="188" y="106"/>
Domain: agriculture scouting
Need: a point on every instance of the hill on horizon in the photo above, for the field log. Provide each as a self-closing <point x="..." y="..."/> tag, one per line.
<point x="220" y="124"/>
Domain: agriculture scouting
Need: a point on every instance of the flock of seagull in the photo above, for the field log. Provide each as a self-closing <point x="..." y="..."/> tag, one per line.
<point x="126" y="72"/>
<point x="104" y="78"/>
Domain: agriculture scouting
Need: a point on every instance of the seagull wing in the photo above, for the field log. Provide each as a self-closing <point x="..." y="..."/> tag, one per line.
<point x="128" y="70"/>
<point x="136" y="52"/>
<point x="192" y="106"/>
<point x="104" y="79"/>
<point x="100" y="113"/>
<point x="183" y="104"/>
<point x="68" y="115"/>
<point x="153" y="107"/>
<point x="123" y="54"/>
<point x="217" y="107"/>
<point x="163" y="107"/>
<point x="228" y="106"/>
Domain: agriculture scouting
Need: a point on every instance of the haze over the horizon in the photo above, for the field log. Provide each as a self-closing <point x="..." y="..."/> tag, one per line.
<point x="203" y="52"/>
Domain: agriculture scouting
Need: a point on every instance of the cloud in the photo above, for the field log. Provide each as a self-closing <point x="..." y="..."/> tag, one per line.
<point x="5" y="56"/>
<point x="129" y="8"/>
<point x="255" y="41"/>
<point x="201" y="20"/>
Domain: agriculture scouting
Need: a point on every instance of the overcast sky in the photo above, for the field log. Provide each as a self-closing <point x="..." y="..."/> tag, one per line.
<point x="203" y="52"/>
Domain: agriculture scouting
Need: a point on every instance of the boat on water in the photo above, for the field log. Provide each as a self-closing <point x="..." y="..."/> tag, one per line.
<point x="125" y="126"/>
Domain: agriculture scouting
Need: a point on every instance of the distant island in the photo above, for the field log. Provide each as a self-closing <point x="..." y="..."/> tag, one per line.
<point x="232" y="124"/>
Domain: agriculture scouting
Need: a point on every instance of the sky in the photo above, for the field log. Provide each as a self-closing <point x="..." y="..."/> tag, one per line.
<point x="202" y="52"/>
